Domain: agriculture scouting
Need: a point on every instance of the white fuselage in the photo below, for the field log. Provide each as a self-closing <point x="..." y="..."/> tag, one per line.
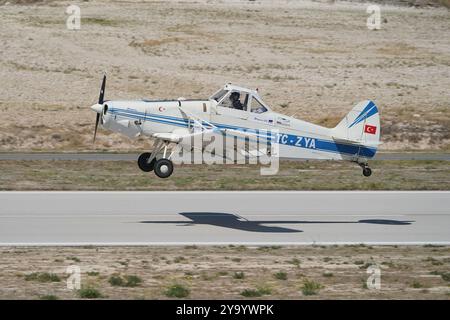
<point x="295" y="138"/>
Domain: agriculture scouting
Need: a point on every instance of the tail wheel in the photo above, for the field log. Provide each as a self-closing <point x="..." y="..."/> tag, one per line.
<point x="163" y="168"/>
<point x="143" y="162"/>
<point x="367" y="172"/>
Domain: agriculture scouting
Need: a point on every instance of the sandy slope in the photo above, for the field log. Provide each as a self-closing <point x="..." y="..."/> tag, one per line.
<point x="311" y="59"/>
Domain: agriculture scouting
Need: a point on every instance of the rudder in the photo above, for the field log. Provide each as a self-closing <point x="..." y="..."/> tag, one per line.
<point x="360" y="126"/>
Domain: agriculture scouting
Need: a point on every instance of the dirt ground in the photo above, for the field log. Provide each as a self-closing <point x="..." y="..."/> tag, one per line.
<point x="314" y="60"/>
<point x="316" y="175"/>
<point x="411" y="272"/>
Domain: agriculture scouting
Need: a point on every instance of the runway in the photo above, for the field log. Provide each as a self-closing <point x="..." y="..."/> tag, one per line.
<point x="250" y="218"/>
<point x="134" y="156"/>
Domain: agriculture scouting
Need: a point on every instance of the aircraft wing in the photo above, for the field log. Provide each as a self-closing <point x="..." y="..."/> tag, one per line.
<point x="169" y="137"/>
<point x="206" y="125"/>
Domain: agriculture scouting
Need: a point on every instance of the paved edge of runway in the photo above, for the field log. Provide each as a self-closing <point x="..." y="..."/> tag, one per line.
<point x="91" y="156"/>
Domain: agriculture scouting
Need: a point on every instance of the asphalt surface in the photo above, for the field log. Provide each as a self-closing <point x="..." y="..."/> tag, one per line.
<point x="259" y="218"/>
<point x="134" y="156"/>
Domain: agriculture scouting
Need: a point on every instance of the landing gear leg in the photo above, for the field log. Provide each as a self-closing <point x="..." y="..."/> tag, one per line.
<point x="164" y="166"/>
<point x="365" y="169"/>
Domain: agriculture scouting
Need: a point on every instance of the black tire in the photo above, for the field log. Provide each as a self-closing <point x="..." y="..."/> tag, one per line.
<point x="142" y="162"/>
<point x="163" y="168"/>
<point x="367" y="172"/>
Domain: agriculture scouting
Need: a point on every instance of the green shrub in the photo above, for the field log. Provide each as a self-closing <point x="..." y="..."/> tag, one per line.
<point x="89" y="293"/>
<point x="132" y="281"/>
<point x="239" y="275"/>
<point x="75" y="259"/>
<point x="177" y="291"/>
<point x="42" y="277"/>
<point x="310" y="288"/>
<point x="281" y="275"/>
<point x="445" y="276"/>
<point x="116" y="281"/>
<point x="294" y="261"/>
<point x="264" y="290"/>
<point x="126" y="281"/>
<point x="179" y="259"/>
<point x="251" y="293"/>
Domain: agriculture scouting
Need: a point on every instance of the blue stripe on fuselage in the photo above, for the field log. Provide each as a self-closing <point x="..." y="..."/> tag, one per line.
<point x="292" y="140"/>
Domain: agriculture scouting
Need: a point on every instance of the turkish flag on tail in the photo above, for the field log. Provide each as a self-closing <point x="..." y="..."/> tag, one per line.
<point x="370" y="129"/>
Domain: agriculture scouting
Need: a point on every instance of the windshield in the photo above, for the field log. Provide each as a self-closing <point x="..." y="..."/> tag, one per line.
<point x="257" y="106"/>
<point x="219" y="95"/>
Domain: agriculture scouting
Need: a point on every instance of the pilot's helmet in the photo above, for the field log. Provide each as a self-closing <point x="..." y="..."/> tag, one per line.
<point x="234" y="96"/>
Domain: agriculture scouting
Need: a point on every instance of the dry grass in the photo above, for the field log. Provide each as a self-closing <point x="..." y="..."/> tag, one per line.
<point x="312" y="175"/>
<point x="405" y="271"/>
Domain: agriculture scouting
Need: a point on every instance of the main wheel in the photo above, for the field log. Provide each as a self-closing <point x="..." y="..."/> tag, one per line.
<point x="143" y="162"/>
<point x="367" y="172"/>
<point x="163" y="168"/>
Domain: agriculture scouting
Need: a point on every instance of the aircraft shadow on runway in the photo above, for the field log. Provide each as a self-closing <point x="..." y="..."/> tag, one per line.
<point x="234" y="221"/>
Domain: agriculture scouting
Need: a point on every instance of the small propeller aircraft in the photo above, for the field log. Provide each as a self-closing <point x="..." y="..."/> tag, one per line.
<point x="235" y="111"/>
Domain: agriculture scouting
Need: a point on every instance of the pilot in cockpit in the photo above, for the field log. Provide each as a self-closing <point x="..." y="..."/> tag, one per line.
<point x="236" y="103"/>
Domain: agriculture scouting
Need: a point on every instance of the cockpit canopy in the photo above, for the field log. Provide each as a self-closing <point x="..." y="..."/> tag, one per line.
<point x="239" y="98"/>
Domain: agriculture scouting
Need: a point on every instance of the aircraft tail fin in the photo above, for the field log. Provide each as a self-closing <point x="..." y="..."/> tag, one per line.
<point x="360" y="126"/>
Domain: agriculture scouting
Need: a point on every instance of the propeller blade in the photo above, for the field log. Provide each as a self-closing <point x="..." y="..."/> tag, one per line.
<point x="102" y="90"/>
<point x="96" y="125"/>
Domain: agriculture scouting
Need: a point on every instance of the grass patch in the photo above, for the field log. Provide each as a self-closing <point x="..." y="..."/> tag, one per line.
<point x="445" y="276"/>
<point x="99" y="21"/>
<point x="251" y="293"/>
<point x="294" y="261"/>
<point x="258" y="292"/>
<point x="179" y="259"/>
<point x="42" y="277"/>
<point x="310" y="288"/>
<point x="126" y="281"/>
<point x="416" y="285"/>
<point x="75" y="259"/>
<point x="280" y="275"/>
<point x="93" y="273"/>
<point x="327" y="274"/>
<point x="89" y="293"/>
<point x="177" y="291"/>
<point x="133" y="281"/>
<point x="264" y="290"/>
